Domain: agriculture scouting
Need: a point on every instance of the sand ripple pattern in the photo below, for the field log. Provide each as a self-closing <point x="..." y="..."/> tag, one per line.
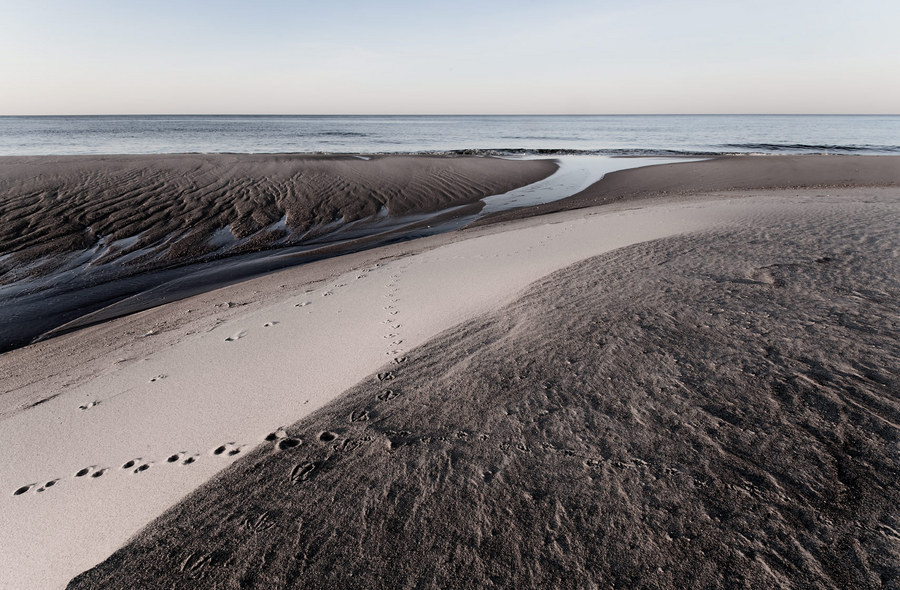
<point x="162" y="210"/>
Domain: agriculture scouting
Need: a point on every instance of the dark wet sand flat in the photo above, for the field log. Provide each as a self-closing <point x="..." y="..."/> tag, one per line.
<point x="79" y="234"/>
<point x="173" y="204"/>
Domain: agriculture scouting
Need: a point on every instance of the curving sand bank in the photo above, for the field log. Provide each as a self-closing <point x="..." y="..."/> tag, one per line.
<point x="716" y="410"/>
<point x="707" y="395"/>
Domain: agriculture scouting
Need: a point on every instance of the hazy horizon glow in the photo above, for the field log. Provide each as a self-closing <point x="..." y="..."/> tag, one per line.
<point x="465" y="57"/>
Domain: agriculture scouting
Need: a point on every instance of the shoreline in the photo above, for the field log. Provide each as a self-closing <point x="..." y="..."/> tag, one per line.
<point x="665" y="135"/>
<point x="726" y="174"/>
<point x="228" y="367"/>
<point x="80" y="234"/>
<point x="133" y="260"/>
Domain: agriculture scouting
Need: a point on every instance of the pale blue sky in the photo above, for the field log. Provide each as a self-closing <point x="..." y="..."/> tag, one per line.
<point x="460" y="56"/>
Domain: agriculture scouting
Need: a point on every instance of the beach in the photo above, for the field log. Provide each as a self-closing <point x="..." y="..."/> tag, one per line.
<point x="80" y="233"/>
<point x="682" y="375"/>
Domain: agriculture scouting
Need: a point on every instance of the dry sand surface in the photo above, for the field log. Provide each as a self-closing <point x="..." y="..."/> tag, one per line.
<point x="714" y="410"/>
<point x="700" y="391"/>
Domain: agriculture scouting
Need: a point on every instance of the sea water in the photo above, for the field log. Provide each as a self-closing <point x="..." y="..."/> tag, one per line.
<point x="615" y="135"/>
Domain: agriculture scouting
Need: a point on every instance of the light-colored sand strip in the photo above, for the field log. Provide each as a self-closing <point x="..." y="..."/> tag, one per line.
<point x="186" y="411"/>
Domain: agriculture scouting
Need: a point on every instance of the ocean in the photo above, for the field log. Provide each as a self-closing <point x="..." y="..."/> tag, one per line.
<point x="613" y="135"/>
<point x="583" y="146"/>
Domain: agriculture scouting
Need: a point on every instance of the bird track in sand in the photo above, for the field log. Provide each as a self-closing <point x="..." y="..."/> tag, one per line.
<point x="279" y="437"/>
<point x="282" y="441"/>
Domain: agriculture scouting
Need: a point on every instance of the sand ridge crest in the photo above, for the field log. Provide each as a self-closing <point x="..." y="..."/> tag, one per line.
<point x="652" y="417"/>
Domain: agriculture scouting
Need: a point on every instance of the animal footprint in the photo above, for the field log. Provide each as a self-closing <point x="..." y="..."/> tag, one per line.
<point x="288" y="443"/>
<point x="227" y="449"/>
<point x="359" y="416"/>
<point x="387" y="394"/>
<point x="47" y="485"/>
<point x="196" y="563"/>
<point x="236" y="336"/>
<point x="84" y="471"/>
<point x="303" y="472"/>
<point x="23" y="489"/>
<point x="304" y="304"/>
<point x="269" y="324"/>
<point x="158" y="378"/>
<point x="260" y="523"/>
<point x="273" y="436"/>
<point x="142" y="467"/>
<point x="400" y="360"/>
<point x="175" y="458"/>
<point x="388" y="376"/>
<point x="99" y="473"/>
<point x="191" y="459"/>
<point x="89" y="405"/>
<point x="327" y="436"/>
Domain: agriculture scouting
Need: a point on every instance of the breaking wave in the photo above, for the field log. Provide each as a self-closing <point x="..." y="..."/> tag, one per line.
<point x="803" y="148"/>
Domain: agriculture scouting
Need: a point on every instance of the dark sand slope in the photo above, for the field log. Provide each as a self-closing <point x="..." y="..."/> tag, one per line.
<point x="716" y="411"/>
<point x="176" y="204"/>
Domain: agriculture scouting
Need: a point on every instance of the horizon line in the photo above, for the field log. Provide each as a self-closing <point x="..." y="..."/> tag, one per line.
<point x="823" y="114"/>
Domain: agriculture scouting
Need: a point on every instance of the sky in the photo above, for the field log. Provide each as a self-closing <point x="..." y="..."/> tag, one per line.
<point x="449" y="57"/>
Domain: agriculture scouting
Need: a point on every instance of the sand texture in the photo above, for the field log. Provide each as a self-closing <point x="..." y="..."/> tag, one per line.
<point x="175" y="205"/>
<point x="80" y="233"/>
<point x="725" y="174"/>
<point x="107" y="427"/>
<point x="715" y="409"/>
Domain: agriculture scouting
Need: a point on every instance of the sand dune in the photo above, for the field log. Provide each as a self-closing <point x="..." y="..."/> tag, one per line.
<point x="226" y="369"/>
<point x="715" y="410"/>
